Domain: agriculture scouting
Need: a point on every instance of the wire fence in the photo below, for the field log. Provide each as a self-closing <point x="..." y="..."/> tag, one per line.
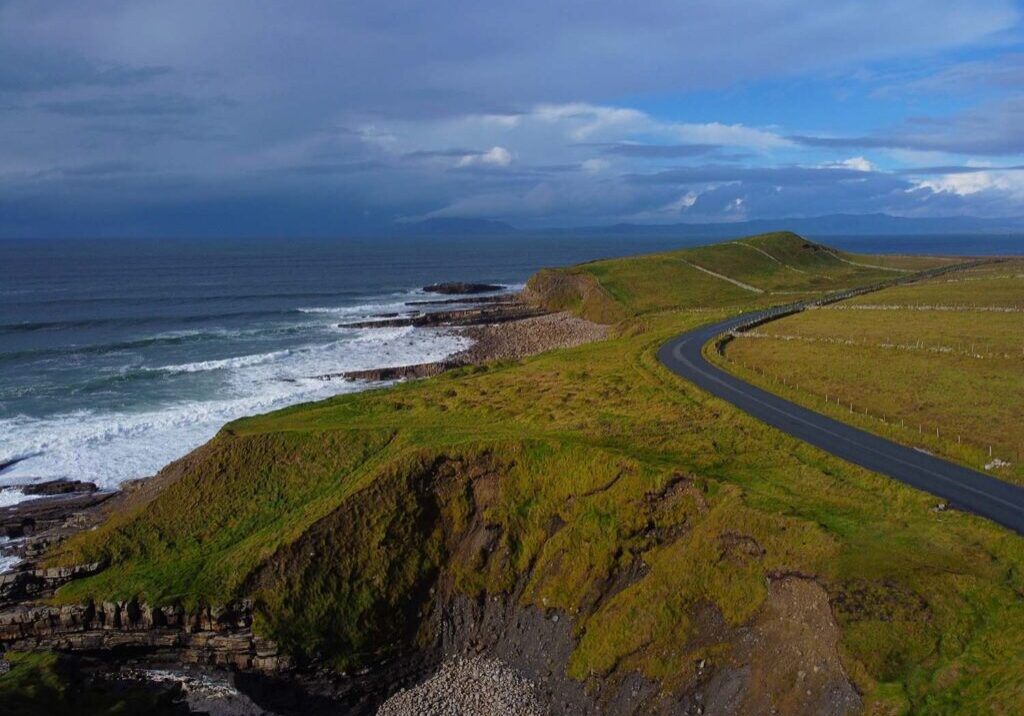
<point x="932" y="436"/>
<point x="992" y="457"/>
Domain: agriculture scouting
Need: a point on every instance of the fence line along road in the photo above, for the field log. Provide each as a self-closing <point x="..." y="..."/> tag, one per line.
<point x="962" y="487"/>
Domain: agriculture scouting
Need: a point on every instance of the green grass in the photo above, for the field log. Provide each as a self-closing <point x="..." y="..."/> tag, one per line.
<point x="783" y="266"/>
<point x="577" y="465"/>
<point x="945" y="354"/>
<point x="41" y="683"/>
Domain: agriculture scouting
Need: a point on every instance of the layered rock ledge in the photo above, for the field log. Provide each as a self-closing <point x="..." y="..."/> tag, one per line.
<point x="462" y="288"/>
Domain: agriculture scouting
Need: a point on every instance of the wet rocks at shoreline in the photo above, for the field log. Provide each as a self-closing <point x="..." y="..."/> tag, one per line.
<point x="502" y="327"/>
<point x="462" y="288"/>
<point x="496" y="313"/>
<point x="399" y="372"/>
<point x="63" y="486"/>
<point x="502" y="298"/>
<point x="512" y="339"/>
<point x="47" y="512"/>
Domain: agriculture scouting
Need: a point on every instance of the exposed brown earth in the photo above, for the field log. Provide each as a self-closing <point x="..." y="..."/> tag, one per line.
<point x="786" y="659"/>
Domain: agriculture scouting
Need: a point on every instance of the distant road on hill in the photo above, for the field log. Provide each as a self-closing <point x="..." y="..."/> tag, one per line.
<point x="962" y="487"/>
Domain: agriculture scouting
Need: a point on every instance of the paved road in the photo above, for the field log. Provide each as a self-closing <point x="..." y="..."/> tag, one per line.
<point x="962" y="487"/>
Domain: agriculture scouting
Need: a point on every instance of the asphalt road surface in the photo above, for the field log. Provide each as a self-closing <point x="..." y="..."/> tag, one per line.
<point x="962" y="487"/>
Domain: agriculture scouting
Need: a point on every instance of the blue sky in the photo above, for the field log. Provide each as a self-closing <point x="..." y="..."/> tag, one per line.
<point x="325" y="118"/>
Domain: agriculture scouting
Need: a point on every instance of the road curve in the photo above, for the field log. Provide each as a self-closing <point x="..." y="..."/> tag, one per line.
<point x="962" y="487"/>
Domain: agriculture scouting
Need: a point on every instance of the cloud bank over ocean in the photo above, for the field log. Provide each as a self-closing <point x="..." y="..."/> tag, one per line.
<point x="194" y="118"/>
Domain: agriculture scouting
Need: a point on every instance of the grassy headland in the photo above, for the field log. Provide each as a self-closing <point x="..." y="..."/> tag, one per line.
<point x="588" y="480"/>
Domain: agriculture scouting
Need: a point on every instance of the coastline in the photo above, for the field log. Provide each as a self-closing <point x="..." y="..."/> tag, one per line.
<point x="500" y="327"/>
<point x="503" y="327"/>
<point x="508" y="340"/>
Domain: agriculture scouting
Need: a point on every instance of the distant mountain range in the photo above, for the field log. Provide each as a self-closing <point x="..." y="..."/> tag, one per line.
<point x="828" y="225"/>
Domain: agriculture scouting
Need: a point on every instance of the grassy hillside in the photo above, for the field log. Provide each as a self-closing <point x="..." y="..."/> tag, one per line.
<point x="593" y="481"/>
<point x="945" y="354"/>
<point x="758" y="270"/>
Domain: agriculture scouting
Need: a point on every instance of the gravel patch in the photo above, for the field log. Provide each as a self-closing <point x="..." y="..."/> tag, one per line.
<point x="517" y="339"/>
<point x="467" y="686"/>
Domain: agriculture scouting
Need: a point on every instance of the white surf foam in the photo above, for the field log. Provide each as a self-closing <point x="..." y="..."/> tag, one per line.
<point x="110" y="447"/>
<point x="12" y="496"/>
<point x="224" y="363"/>
<point x="6" y="562"/>
<point x="392" y="303"/>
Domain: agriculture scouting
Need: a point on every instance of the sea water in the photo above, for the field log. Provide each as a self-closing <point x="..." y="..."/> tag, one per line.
<point x="118" y="356"/>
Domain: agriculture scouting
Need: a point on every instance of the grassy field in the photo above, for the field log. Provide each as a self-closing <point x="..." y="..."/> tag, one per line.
<point x="942" y="355"/>
<point x="566" y="471"/>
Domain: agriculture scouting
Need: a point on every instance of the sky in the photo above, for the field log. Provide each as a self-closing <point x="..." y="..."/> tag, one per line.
<point x="253" y="117"/>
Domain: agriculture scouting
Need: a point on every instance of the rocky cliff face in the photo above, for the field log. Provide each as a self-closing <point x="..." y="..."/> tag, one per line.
<point x="219" y="637"/>
<point x="210" y="637"/>
<point x="419" y="567"/>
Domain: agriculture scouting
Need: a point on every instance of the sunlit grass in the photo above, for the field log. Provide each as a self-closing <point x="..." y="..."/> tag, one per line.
<point x="333" y="515"/>
<point x="949" y="380"/>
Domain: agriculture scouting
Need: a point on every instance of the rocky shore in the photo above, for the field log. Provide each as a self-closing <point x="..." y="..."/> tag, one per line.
<point x="496" y="312"/>
<point x="462" y="288"/>
<point x="504" y="327"/>
<point x="106" y="639"/>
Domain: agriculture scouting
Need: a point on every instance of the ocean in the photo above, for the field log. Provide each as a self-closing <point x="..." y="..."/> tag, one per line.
<point x="118" y="356"/>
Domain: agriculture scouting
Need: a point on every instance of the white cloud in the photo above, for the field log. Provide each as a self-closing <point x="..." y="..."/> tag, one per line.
<point x="966" y="184"/>
<point x="682" y="203"/>
<point x="552" y="133"/>
<point x="859" y="164"/>
<point x="495" y="157"/>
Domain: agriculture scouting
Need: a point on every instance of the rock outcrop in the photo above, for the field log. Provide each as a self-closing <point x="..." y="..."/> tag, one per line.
<point x="462" y="288"/>
<point x="46" y="513"/>
<point x="62" y="486"/>
<point x="21" y="585"/>
<point x="207" y="636"/>
<point x="492" y="313"/>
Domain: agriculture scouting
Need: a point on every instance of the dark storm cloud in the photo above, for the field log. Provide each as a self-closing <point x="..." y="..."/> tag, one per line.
<point x="783" y="176"/>
<point x="328" y="168"/>
<point x="995" y="128"/>
<point x="29" y="71"/>
<point x="100" y="169"/>
<point x="442" y="153"/>
<point x="880" y="142"/>
<point x="873" y="192"/>
<point x="137" y="105"/>
<point x="659" y="151"/>
<point x="122" y="115"/>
